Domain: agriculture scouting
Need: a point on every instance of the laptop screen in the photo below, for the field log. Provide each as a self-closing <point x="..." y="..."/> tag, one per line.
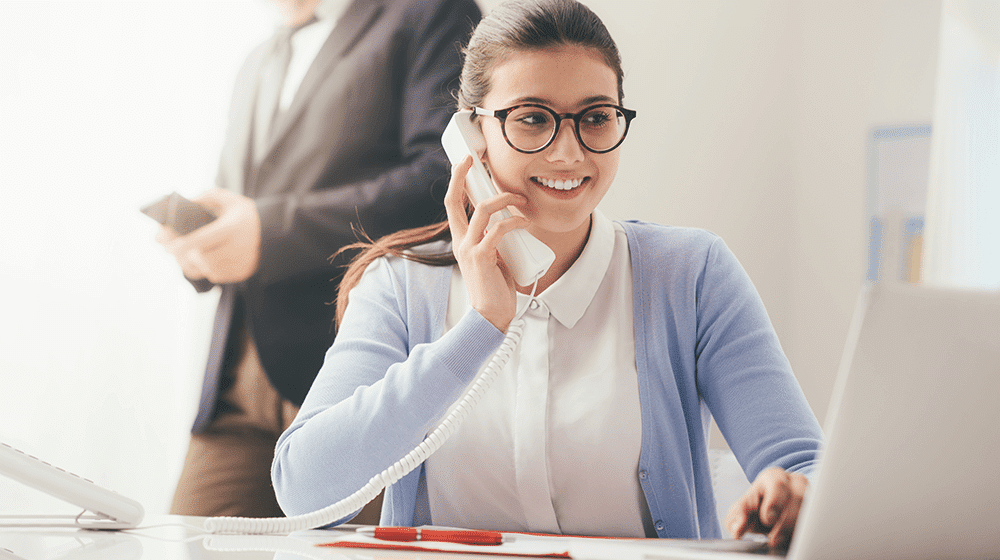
<point x="913" y="448"/>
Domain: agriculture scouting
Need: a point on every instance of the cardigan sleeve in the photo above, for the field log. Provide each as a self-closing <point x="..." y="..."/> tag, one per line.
<point x="744" y="376"/>
<point x="705" y="347"/>
<point x="378" y="394"/>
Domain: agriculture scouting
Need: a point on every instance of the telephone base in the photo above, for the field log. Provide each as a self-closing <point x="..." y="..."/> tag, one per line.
<point x="82" y="521"/>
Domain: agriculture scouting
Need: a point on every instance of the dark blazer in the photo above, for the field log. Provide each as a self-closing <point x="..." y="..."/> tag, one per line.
<point x="358" y="147"/>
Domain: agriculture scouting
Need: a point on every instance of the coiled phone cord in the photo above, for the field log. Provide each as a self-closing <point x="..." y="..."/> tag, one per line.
<point x="368" y="492"/>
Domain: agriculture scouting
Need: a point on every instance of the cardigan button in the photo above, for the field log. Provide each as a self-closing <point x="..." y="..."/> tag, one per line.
<point x="643" y="475"/>
<point x="659" y="526"/>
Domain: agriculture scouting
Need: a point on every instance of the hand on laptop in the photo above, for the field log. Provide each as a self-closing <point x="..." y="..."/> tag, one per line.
<point x="771" y="506"/>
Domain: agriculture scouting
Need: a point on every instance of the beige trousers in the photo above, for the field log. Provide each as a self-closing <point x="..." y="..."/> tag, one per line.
<point x="228" y="466"/>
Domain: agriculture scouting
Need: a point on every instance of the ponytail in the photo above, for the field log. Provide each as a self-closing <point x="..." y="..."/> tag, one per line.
<point x="396" y="244"/>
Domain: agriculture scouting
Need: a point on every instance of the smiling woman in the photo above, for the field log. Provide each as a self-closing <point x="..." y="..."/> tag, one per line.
<point x="565" y="80"/>
<point x="607" y="371"/>
<point x="105" y="107"/>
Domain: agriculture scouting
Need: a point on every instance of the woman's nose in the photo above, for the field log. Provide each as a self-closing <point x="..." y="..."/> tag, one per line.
<point x="566" y="147"/>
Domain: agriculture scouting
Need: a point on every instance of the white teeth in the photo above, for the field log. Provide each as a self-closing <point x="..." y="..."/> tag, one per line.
<point x="560" y="185"/>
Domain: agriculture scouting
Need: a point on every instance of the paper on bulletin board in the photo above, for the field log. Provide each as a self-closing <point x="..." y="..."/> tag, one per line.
<point x="898" y="173"/>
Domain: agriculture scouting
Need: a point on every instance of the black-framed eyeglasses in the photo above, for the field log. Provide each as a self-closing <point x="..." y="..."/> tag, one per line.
<point x="530" y="128"/>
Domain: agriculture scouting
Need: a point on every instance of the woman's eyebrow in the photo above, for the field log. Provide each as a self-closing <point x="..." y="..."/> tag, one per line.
<point x="548" y="103"/>
<point x="536" y="100"/>
<point x="598" y="99"/>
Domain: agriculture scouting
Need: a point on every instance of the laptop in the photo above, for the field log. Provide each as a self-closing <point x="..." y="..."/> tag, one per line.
<point x="910" y="465"/>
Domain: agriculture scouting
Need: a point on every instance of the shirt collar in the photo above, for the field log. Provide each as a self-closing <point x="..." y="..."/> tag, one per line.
<point x="331" y="9"/>
<point x="310" y="36"/>
<point x="569" y="297"/>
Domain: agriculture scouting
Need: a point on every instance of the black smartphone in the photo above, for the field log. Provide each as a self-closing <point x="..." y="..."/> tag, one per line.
<point x="179" y="213"/>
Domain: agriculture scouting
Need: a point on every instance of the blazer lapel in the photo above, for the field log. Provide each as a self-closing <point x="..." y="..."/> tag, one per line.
<point x="352" y="26"/>
<point x="242" y="118"/>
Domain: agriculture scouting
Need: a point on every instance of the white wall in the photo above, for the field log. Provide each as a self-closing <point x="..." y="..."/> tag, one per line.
<point x="860" y="64"/>
<point x="106" y="106"/>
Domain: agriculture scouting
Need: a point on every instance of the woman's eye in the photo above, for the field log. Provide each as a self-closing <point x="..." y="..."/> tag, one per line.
<point x="534" y="119"/>
<point x="597" y="118"/>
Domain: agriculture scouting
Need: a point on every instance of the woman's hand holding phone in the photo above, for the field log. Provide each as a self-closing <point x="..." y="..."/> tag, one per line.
<point x="492" y="291"/>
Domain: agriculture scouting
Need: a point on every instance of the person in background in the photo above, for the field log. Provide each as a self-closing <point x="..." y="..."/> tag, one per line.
<point x="334" y="129"/>
<point x="632" y="340"/>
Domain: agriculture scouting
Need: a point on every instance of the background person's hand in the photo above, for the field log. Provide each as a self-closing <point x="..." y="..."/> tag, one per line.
<point x="225" y="251"/>
<point x="771" y="507"/>
<point x="191" y="263"/>
<point x="490" y="286"/>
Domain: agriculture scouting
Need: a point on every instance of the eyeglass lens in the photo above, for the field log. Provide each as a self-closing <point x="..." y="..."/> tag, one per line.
<point x="531" y="128"/>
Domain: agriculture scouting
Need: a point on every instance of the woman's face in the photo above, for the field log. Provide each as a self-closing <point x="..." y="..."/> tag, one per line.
<point x="565" y="79"/>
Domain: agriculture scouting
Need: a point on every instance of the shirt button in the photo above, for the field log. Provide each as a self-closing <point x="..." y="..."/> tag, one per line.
<point x="659" y="525"/>
<point x="533" y="304"/>
<point x="643" y="475"/>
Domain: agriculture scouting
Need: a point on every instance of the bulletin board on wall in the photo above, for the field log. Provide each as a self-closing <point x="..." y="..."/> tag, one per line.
<point x="898" y="172"/>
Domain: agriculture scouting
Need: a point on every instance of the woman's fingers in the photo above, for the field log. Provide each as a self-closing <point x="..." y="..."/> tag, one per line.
<point x="771" y="506"/>
<point x="480" y="222"/>
<point x="742" y="517"/>
<point x="454" y="199"/>
<point x="775" y="497"/>
<point x="478" y="225"/>
<point x="475" y="240"/>
<point x="784" y="525"/>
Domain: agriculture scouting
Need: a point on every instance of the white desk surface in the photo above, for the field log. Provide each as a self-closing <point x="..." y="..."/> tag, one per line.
<point x="169" y="537"/>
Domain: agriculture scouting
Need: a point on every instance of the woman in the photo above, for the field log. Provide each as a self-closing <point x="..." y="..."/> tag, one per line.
<point x="635" y="337"/>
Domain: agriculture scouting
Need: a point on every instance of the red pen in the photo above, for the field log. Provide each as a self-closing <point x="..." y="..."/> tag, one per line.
<point x="410" y="534"/>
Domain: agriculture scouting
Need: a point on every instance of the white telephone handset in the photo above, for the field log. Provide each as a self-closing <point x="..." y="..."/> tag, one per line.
<point x="526" y="257"/>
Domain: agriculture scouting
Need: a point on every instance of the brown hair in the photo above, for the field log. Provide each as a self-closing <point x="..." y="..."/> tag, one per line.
<point x="513" y="26"/>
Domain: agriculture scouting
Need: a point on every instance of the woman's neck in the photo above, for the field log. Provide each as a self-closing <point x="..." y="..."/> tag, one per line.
<point x="567" y="247"/>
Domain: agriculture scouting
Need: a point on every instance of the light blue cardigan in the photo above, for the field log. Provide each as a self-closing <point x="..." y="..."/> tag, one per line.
<point x="703" y="343"/>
